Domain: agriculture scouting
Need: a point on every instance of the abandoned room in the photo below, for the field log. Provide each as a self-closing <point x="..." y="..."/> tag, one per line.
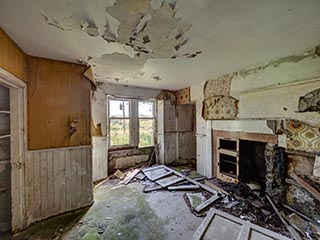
<point x="160" y="119"/>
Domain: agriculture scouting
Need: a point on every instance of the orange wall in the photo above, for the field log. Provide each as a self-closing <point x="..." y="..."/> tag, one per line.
<point x="12" y="58"/>
<point x="58" y="93"/>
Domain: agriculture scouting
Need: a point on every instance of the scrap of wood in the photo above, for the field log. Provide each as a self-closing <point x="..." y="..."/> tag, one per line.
<point x="207" y="203"/>
<point x="203" y="226"/>
<point x="166" y="184"/>
<point x="306" y="186"/>
<point x="152" y="188"/>
<point x="151" y="168"/>
<point x="246" y="227"/>
<point x="119" y="174"/>
<point x="207" y="188"/>
<point x="160" y="176"/>
<point x="282" y="217"/>
<point x="130" y="176"/>
<point x="183" y="187"/>
<point x="215" y="187"/>
<point x="300" y="214"/>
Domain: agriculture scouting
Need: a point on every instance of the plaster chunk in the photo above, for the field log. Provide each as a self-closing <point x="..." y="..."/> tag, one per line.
<point x="115" y="63"/>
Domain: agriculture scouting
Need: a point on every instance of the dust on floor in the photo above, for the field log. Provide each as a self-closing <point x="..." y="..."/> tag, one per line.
<point x="125" y="212"/>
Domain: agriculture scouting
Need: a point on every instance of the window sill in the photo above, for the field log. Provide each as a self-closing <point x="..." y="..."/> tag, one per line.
<point x="117" y="148"/>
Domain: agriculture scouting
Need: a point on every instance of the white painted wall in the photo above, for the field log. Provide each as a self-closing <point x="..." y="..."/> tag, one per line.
<point x="266" y="93"/>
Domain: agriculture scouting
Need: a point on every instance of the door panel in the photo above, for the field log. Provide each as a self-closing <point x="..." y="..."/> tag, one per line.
<point x="5" y="166"/>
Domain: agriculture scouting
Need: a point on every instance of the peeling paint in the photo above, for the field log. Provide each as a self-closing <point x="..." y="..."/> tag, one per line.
<point x="310" y="102"/>
<point x="290" y="59"/>
<point x="149" y="28"/>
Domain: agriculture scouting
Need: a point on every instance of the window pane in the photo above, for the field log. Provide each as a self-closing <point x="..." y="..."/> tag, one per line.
<point x="119" y="108"/>
<point x="119" y="132"/>
<point x="146" y="129"/>
<point x="146" y="109"/>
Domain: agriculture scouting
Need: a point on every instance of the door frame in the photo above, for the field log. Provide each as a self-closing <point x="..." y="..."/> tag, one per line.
<point x="18" y="147"/>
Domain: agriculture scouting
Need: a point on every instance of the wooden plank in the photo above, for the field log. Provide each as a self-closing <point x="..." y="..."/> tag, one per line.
<point x="78" y="178"/>
<point x="62" y="183"/>
<point x="131" y="176"/>
<point x="207" y="203"/>
<point x="68" y="176"/>
<point x="73" y="194"/>
<point x="215" y="187"/>
<point x="165" y="182"/>
<point x="30" y="200"/>
<point x="301" y="214"/>
<point x="280" y="214"/>
<point x="192" y="181"/>
<point x="37" y="187"/>
<point x="56" y="176"/>
<point x="89" y="186"/>
<point x="228" y="152"/>
<point x="50" y="185"/>
<point x="152" y="188"/>
<point x="43" y="184"/>
<point x="5" y="136"/>
<point x="58" y="94"/>
<point x="306" y="186"/>
<point x="152" y="168"/>
<point x="245" y="232"/>
<point x="203" y="226"/>
<point x="183" y="187"/>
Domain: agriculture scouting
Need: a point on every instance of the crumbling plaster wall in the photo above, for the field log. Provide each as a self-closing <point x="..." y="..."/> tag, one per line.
<point x="265" y="93"/>
<point x="120" y="159"/>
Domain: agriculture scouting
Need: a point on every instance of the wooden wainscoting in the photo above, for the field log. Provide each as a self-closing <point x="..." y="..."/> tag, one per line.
<point x="57" y="181"/>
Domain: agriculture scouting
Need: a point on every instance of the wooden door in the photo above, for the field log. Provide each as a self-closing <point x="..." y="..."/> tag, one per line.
<point x="5" y="166"/>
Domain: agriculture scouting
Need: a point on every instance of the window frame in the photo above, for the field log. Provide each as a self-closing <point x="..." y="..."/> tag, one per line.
<point x="111" y="118"/>
<point x="133" y="121"/>
<point x="147" y="118"/>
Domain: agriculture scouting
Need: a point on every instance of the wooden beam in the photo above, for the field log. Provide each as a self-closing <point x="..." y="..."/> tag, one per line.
<point x="203" y="226"/>
<point x="306" y="186"/>
<point x="215" y="187"/>
<point x="280" y="214"/>
<point x="207" y="203"/>
<point x="183" y="187"/>
<point x="131" y="176"/>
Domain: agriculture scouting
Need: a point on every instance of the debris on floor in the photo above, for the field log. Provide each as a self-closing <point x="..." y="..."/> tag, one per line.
<point x="247" y="202"/>
<point x="220" y="225"/>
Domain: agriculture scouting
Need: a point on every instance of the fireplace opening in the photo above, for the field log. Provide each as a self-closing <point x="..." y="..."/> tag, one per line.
<point x="245" y="157"/>
<point x="252" y="164"/>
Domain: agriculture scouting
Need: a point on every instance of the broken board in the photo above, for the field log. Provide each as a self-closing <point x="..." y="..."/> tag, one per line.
<point x="220" y="226"/>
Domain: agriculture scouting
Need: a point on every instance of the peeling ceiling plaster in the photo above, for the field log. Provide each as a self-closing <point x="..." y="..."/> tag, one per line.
<point x="167" y="44"/>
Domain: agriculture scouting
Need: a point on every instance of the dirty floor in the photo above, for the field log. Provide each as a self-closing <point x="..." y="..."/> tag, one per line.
<point x="121" y="212"/>
<point x="125" y="212"/>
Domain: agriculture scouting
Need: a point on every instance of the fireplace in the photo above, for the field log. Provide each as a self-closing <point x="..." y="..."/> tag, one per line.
<point x="240" y="156"/>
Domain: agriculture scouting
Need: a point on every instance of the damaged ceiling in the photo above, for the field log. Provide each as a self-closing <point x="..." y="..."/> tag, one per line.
<point x="166" y="44"/>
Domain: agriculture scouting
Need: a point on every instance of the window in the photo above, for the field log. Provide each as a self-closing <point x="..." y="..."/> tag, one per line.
<point x="119" y="122"/>
<point x="131" y="122"/>
<point x="146" y="123"/>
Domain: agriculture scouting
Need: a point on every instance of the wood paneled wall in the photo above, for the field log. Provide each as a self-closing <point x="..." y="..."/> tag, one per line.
<point x="58" y="94"/>
<point x="57" y="181"/>
<point x="12" y="58"/>
<point x="99" y="158"/>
